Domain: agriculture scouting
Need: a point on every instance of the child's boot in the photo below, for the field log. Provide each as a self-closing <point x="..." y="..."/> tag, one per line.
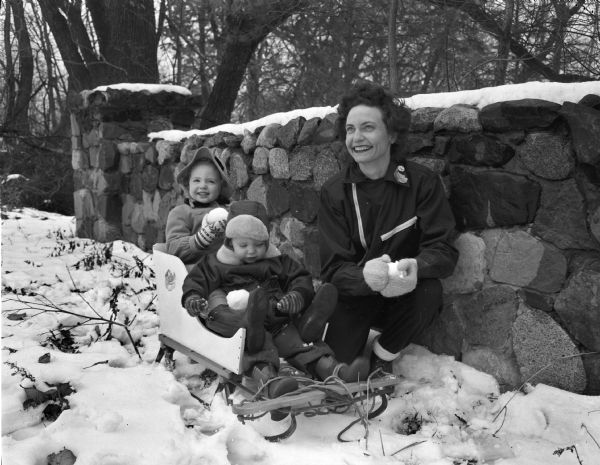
<point x="312" y="322"/>
<point x="256" y="311"/>
<point x="328" y="366"/>
<point x="262" y="373"/>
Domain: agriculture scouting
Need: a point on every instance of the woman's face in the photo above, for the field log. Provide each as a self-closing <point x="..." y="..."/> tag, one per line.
<point x="205" y="183"/>
<point x="367" y="138"/>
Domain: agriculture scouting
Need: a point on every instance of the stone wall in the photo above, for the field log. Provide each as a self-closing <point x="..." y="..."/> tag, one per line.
<point x="523" y="179"/>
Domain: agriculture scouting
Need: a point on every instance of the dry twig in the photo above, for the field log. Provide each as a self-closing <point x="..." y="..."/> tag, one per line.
<point x="50" y="307"/>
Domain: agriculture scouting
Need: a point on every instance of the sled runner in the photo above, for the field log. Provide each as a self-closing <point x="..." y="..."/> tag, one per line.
<point x="182" y="333"/>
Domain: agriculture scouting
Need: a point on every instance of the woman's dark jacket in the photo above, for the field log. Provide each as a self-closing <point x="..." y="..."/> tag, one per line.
<point x="405" y="215"/>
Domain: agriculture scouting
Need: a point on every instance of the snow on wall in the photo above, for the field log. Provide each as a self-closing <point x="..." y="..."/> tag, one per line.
<point x="552" y="91"/>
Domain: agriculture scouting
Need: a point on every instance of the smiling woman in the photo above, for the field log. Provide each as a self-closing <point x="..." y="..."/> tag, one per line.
<point x="368" y="140"/>
<point x="382" y="209"/>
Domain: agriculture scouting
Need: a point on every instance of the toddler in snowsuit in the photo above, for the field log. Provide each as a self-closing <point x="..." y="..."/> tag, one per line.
<point x="283" y="317"/>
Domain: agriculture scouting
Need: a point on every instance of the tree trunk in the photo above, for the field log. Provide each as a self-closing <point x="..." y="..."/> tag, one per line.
<point x="230" y="75"/>
<point x="392" y="50"/>
<point x="246" y="25"/>
<point x="127" y="39"/>
<point x="79" y="74"/>
<point x="125" y="35"/>
<point x="19" y="119"/>
<point x="52" y="91"/>
<point x="10" y="84"/>
<point x="504" y="44"/>
<point x="253" y="85"/>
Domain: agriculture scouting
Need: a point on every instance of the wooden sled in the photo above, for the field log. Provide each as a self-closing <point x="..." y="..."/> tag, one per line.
<point x="182" y="333"/>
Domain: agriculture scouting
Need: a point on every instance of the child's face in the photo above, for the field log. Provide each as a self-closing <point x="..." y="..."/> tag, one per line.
<point x="248" y="250"/>
<point x="205" y="183"/>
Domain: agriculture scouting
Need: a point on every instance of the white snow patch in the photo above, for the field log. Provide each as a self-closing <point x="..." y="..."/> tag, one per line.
<point x="552" y="91"/>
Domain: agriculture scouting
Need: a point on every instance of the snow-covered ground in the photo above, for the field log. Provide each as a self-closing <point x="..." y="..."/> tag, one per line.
<point x="126" y="410"/>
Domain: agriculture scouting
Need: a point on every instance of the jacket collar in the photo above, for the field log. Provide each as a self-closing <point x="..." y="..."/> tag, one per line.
<point x="396" y="174"/>
<point x="194" y="204"/>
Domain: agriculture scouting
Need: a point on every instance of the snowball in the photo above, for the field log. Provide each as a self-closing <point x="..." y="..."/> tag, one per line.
<point x="238" y="300"/>
<point x="393" y="270"/>
<point x="218" y="214"/>
<point x="214" y="216"/>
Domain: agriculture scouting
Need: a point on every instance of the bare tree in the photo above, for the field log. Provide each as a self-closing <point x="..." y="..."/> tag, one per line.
<point x="392" y="52"/>
<point x="488" y="21"/>
<point x="126" y="40"/>
<point x="504" y="43"/>
<point x="247" y="24"/>
<point x="19" y="85"/>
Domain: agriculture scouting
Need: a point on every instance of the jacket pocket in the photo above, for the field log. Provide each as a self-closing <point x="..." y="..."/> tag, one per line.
<point x="401" y="227"/>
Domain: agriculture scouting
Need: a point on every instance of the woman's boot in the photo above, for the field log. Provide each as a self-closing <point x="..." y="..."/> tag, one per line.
<point x="263" y="373"/>
<point x="312" y="322"/>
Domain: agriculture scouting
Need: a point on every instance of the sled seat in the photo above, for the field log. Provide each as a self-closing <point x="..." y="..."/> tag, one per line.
<point x="181" y="332"/>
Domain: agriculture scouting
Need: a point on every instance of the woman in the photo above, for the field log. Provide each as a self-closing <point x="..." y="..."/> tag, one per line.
<point x="381" y="209"/>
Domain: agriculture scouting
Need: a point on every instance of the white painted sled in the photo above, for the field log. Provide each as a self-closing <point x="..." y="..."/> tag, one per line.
<point x="183" y="333"/>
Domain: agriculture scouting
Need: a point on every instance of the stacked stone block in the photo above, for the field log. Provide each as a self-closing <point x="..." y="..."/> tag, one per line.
<point x="523" y="184"/>
<point x="123" y="183"/>
<point x="523" y="180"/>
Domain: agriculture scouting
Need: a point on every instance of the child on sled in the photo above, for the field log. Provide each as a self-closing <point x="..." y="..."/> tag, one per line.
<point x="196" y="227"/>
<point x="283" y="317"/>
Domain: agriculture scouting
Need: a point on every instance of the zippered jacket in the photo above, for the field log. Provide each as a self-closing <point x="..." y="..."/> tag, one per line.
<point x="405" y="214"/>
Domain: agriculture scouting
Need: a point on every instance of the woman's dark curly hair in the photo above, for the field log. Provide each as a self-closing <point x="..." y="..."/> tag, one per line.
<point x="396" y="116"/>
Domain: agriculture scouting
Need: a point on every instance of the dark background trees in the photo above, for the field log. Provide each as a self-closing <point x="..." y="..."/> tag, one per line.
<point x="249" y="59"/>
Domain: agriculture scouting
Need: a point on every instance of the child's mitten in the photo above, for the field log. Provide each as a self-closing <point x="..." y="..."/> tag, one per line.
<point x="196" y="305"/>
<point x="205" y="236"/>
<point x="213" y="224"/>
<point x="375" y="272"/>
<point x="402" y="278"/>
<point x="238" y="300"/>
<point x="291" y="303"/>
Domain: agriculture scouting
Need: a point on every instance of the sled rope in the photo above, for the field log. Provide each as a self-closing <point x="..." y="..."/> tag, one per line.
<point x="335" y="401"/>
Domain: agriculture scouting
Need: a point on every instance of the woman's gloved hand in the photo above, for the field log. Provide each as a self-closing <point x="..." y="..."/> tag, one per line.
<point x="402" y="278"/>
<point x="375" y="272"/>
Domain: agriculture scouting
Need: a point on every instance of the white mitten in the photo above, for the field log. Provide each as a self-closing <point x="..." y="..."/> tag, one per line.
<point x="402" y="278"/>
<point x="375" y="272"/>
<point x="238" y="300"/>
<point x="217" y="218"/>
